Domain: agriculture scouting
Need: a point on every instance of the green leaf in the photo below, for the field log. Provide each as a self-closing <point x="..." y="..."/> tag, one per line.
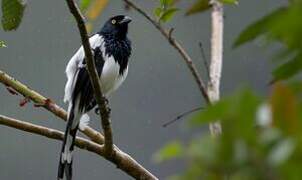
<point x="158" y="11"/>
<point x="168" y="14"/>
<point x="198" y="6"/>
<point x="288" y="69"/>
<point x="167" y="3"/>
<point x="2" y="44"/>
<point x="169" y="151"/>
<point x="203" y="148"/>
<point x="281" y="152"/>
<point x="12" y="13"/>
<point x="211" y="113"/>
<point x="241" y="105"/>
<point x="229" y="1"/>
<point x="84" y="4"/>
<point x="258" y="28"/>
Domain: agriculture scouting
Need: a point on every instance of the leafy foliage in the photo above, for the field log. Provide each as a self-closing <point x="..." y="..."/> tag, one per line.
<point x="2" y="44"/>
<point x="166" y="10"/>
<point x="246" y="149"/>
<point x="12" y="13"/>
<point x="284" y="26"/>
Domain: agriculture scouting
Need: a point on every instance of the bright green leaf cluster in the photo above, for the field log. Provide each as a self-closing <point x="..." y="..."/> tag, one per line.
<point x="166" y="10"/>
<point x="12" y="13"/>
<point x="282" y="25"/>
<point x="2" y="44"/>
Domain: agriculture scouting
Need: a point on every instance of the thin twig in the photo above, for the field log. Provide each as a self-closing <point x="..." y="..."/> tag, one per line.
<point x="174" y="43"/>
<point x="181" y="116"/>
<point x="101" y="100"/>
<point x="205" y="60"/>
<point x="216" y="59"/>
<point x="122" y="160"/>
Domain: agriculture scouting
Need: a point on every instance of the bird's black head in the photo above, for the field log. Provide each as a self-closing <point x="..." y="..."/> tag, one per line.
<point x="116" y="26"/>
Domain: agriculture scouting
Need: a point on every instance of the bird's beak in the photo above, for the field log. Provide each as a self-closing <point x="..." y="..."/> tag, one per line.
<point x="126" y="20"/>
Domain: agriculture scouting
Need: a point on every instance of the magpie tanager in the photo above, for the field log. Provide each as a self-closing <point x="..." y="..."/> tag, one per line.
<point x="111" y="50"/>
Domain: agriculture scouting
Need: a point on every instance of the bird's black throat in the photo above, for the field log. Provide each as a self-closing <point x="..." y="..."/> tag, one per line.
<point x="119" y="48"/>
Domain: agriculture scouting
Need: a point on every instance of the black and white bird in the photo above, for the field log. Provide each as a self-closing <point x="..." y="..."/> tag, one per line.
<point x="111" y="49"/>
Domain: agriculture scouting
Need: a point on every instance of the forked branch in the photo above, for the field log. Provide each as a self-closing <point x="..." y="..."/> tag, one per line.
<point x="122" y="160"/>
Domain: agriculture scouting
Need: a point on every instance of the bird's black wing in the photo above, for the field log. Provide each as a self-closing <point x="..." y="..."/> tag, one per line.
<point x="83" y="88"/>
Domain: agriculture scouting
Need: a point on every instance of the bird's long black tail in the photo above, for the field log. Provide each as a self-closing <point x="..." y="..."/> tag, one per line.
<point x="65" y="164"/>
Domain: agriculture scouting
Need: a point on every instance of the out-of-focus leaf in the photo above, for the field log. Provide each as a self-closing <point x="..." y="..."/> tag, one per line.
<point x="158" y="11"/>
<point x="198" y="6"/>
<point x="281" y="152"/>
<point x="211" y="113"/>
<point x="96" y="8"/>
<point x="2" y="44"/>
<point x="240" y="104"/>
<point x="12" y="13"/>
<point x="258" y="28"/>
<point x="229" y="1"/>
<point x="169" y="151"/>
<point x="167" y="3"/>
<point x="85" y="4"/>
<point x="288" y="69"/>
<point x="203" y="148"/>
<point x="168" y="14"/>
<point x="270" y="136"/>
<point x="285" y="110"/>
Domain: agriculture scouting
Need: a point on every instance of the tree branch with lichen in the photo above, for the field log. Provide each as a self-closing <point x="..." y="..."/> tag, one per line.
<point x="216" y="59"/>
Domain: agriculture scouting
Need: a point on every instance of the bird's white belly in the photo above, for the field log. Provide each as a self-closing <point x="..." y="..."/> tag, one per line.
<point x="110" y="77"/>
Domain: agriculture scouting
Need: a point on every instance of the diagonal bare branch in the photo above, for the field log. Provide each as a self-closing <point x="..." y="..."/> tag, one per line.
<point x="122" y="160"/>
<point x="174" y="43"/>
<point x="50" y="133"/>
<point x="101" y="100"/>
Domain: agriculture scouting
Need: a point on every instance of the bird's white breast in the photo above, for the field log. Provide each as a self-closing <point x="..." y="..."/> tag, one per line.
<point x="110" y="77"/>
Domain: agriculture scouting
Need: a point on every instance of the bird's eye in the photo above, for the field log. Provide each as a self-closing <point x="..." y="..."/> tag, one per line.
<point x="113" y="21"/>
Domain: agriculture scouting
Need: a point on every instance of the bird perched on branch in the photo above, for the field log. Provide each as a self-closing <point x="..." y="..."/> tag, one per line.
<point x="111" y="50"/>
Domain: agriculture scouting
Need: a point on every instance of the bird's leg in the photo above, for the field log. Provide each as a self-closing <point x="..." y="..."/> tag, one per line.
<point x="97" y="109"/>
